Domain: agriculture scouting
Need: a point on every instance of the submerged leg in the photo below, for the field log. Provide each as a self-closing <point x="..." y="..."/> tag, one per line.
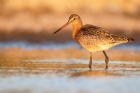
<point x="90" y="61"/>
<point x="106" y="59"/>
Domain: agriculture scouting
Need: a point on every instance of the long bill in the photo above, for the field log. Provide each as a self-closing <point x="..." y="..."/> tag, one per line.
<point x="61" y="27"/>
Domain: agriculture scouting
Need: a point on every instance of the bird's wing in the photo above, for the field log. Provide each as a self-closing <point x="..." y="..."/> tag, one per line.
<point x="97" y="34"/>
<point x="101" y="36"/>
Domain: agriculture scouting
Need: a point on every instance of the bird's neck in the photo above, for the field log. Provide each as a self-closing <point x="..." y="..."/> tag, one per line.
<point x="76" y="29"/>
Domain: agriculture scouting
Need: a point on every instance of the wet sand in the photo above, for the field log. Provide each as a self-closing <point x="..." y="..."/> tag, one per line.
<point x="71" y="76"/>
<point x="65" y="70"/>
<point x="68" y="53"/>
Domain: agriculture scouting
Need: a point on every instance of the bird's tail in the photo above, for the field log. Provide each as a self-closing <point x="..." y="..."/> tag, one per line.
<point x="130" y="39"/>
<point x="121" y="39"/>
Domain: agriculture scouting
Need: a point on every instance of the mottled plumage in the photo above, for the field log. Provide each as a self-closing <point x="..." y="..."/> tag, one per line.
<point x="93" y="38"/>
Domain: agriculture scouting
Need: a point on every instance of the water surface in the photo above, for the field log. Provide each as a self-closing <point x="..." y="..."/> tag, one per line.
<point x="69" y="76"/>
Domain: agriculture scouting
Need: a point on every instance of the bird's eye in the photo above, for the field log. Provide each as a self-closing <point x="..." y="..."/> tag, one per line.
<point x="74" y="18"/>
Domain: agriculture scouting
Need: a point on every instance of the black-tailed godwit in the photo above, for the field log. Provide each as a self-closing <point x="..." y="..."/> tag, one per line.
<point x="93" y="38"/>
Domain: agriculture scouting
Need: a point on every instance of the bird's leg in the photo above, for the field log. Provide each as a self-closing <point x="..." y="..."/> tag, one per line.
<point x="106" y="59"/>
<point x="90" y="61"/>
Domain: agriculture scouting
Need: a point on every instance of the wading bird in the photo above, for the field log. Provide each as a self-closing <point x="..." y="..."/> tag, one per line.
<point x="93" y="38"/>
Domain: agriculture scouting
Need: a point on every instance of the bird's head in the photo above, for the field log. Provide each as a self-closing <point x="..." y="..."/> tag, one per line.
<point x="74" y="19"/>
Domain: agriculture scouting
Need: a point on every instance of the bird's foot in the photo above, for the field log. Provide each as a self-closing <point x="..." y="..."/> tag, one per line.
<point x="106" y="67"/>
<point x="90" y="68"/>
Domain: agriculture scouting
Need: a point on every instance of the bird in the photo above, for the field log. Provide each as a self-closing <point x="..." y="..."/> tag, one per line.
<point x="93" y="38"/>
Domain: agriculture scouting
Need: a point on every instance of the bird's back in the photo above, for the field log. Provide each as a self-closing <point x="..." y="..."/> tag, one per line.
<point x="94" y="38"/>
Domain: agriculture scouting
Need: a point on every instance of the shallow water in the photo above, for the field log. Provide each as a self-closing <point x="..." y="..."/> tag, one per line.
<point x="62" y="71"/>
<point x="69" y="76"/>
<point x="52" y="45"/>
